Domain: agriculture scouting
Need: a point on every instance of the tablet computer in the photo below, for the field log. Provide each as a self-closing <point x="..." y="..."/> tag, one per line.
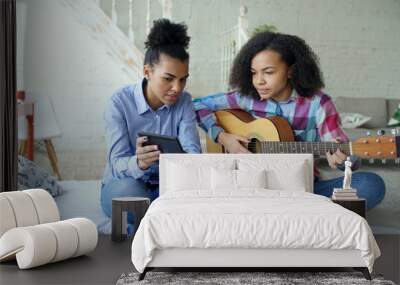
<point x="166" y="144"/>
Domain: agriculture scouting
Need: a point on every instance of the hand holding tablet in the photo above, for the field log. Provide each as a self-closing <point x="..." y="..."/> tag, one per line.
<point x="165" y="144"/>
<point x="150" y="145"/>
<point x="146" y="154"/>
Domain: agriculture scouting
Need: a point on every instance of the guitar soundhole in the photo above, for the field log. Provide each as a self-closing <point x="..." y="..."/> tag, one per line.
<point x="254" y="146"/>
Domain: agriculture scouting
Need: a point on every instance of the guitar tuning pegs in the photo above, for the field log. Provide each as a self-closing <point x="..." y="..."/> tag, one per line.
<point x="380" y="132"/>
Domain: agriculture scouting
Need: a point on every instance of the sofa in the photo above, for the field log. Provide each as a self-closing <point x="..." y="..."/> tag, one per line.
<point x="383" y="218"/>
<point x="379" y="109"/>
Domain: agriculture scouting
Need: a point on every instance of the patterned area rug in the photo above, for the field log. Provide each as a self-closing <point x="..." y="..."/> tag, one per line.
<point x="229" y="278"/>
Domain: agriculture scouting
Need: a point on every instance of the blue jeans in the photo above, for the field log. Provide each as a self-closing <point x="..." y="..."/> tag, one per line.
<point x="126" y="187"/>
<point x="370" y="186"/>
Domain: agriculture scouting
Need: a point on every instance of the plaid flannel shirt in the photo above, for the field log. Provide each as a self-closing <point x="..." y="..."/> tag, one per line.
<point x="312" y="119"/>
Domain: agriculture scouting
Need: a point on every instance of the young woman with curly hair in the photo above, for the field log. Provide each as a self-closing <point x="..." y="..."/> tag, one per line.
<point x="278" y="75"/>
<point x="155" y="104"/>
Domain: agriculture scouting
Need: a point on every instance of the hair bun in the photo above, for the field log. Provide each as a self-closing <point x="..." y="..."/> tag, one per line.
<point x="164" y="33"/>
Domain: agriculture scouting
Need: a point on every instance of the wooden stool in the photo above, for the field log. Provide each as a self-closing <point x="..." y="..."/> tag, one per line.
<point x="40" y="124"/>
<point x="51" y="153"/>
<point x="120" y="207"/>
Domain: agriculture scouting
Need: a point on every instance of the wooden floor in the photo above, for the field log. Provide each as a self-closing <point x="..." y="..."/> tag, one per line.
<point x="111" y="259"/>
<point x="102" y="266"/>
<point x="389" y="262"/>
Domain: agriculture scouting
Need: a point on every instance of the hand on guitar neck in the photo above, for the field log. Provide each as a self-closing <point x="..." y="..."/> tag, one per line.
<point x="244" y="133"/>
<point x="336" y="158"/>
<point x="233" y="143"/>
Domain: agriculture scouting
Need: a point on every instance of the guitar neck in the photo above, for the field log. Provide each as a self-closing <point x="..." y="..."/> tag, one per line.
<point x="275" y="135"/>
<point x="316" y="148"/>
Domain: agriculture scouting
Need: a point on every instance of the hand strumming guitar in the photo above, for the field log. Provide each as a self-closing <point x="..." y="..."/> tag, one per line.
<point x="233" y="143"/>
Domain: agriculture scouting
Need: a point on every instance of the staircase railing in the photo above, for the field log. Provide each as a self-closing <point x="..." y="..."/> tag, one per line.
<point x="118" y="46"/>
<point x="231" y="42"/>
<point x="115" y="14"/>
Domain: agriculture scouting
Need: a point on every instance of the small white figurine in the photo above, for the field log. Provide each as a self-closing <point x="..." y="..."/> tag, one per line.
<point x="347" y="174"/>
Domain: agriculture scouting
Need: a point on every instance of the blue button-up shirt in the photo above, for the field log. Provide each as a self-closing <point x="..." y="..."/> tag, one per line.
<point x="128" y="113"/>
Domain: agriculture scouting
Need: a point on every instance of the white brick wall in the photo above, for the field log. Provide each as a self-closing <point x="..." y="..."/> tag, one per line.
<point x="70" y="61"/>
<point x="357" y="40"/>
<point x="79" y="165"/>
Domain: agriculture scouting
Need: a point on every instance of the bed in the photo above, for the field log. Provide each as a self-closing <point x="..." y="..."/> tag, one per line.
<point x="257" y="210"/>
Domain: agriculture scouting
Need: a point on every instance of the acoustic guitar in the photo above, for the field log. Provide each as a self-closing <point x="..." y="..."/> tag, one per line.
<point x="275" y="135"/>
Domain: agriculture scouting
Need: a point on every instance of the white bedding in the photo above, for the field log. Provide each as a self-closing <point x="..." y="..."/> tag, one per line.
<point x="252" y="218"/>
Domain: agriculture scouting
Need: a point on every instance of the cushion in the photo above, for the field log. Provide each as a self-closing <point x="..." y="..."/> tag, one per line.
<point x="7" y="215"/>
<point x="394" y="120"/>
<point x="284" y="174"/>
<point x="23" y="208"/>
<point x="237" y="179"/>
<point x="223" y="179"/>
<point x="186" y="175"/>
<point x="392" y="105"/>
<point x="291" y="179"/>
<point x="30" y="175"/>
<point x="45" y="206"/>
<point x="26" y="208"/>
<point x="40" y="244"/>
<point x="353" y="120"/>
<point x="251" y="179"/>
<point x="183" y="177"/>
<point x="373" y="107"/>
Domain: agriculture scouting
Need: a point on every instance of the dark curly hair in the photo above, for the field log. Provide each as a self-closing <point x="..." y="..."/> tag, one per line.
<point x="306" y="76"/>
<point x="168" y="38"/>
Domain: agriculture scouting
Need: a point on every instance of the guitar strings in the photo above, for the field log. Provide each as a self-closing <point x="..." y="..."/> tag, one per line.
<point x="319" y="148"/>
